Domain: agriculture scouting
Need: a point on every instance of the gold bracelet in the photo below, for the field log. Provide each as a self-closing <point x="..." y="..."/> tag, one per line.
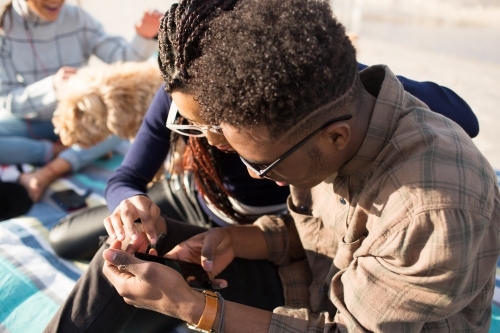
<point x="209" y="313"/>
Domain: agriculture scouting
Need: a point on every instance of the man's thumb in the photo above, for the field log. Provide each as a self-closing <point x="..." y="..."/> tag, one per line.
<point x="122" y="260"/>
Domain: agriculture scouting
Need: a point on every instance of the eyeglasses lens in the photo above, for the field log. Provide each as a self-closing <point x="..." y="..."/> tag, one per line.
<point x="179" y="120"/>
<point x="255" y="166"/>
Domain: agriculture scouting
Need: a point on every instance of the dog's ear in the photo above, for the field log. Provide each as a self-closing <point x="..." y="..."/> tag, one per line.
<point x="126" y="109"/>
<point x="81" y="119"/>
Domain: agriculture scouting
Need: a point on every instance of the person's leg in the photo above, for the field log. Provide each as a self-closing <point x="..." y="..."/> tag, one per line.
<point x="76" y="236"/>
<point x="79" y="157"/>
<point x="24" y="141"/>
<point x="95" y="306"/>
<point x="36" y="182"/>
<point x="14" y="201"/>
<point x="14" y="126"/>
<point x="251" y="282"/>
<point x="18" y="150"/>
<point x="71" y="159"/>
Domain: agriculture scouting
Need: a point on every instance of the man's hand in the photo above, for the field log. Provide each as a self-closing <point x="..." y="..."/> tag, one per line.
<point x="121" y="222"/>
<point x="151" y="285"/>
<point x="148" y="26"/>
<point x="213" y="250"/>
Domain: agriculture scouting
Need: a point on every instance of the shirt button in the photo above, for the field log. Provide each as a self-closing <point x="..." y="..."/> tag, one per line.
<point x="303" y="208"/>
<point x="342" y="201"/>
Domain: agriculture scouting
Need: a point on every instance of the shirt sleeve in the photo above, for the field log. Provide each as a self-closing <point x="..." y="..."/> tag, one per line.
<point x="443" y="101"/>
<point x="403" y="288"/>
<point x="282" y="238"/>
<point x="276" y="236"/>
<point x="140" y="165"/>
<point x="110" y="48"/>
<point x="16" y="98"/>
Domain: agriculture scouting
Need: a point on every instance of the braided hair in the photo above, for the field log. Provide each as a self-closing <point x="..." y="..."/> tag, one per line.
<point x="181" y="30"/>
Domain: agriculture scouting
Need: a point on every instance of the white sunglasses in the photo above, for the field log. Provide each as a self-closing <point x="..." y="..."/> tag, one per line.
<point x="183" y="126"/>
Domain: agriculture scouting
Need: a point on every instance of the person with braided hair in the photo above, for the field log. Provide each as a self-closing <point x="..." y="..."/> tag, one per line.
<point x="225" y="191"/>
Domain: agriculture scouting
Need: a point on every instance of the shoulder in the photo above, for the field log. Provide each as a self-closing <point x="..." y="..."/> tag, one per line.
<point x="430" y="162"/>
<point x="439" y="166"/>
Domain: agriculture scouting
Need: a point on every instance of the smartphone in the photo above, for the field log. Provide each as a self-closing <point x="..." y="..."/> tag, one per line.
<point x="186" y="269"/>
<point x="69" y="200"/>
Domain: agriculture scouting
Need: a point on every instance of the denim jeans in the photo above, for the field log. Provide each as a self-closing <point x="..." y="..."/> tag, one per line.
<point x="24" y="141"/>
<point x="29" y="141"/>
<point x="95" y="306"/>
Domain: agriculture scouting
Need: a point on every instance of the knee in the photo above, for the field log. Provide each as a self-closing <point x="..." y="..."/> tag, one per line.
<point x="77" y="236"/>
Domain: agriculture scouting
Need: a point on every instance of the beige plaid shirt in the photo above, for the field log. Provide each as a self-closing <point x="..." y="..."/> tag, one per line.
<point x="404" y="238"/>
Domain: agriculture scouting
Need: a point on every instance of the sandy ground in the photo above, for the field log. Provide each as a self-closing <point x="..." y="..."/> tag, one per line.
<point x="453" y="43"/>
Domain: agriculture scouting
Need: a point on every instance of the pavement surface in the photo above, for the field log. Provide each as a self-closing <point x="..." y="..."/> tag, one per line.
<point x="454" y="43"/>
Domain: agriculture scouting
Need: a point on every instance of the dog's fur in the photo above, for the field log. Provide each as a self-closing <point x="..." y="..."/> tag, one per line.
<point x="100" y="101"/>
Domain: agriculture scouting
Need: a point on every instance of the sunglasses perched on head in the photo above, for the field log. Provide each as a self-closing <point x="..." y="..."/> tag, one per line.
<point x="177" y="123"/>
<point x="263" y="169"/>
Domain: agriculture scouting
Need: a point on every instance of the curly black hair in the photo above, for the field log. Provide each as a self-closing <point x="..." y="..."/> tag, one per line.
<point x="273" y="62"/>
<point x="182" y="28"/>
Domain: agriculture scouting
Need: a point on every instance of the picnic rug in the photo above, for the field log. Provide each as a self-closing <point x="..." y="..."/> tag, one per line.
<point x="34" y="281"/>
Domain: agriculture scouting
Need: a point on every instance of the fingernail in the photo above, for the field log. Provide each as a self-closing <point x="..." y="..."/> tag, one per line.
<point x="153" y="241"/>
<point x="208" y="264"/>
<point x="113" y="236"/>
<point x="223" y="285"/>
<point x="120" y="236"/>
<point x="134" y="237"/>
<point x="110" y="254"/>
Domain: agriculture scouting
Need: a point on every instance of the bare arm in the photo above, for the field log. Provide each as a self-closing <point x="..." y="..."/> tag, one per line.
<point x="249" y="242"/>
<point x="140" y="283"/>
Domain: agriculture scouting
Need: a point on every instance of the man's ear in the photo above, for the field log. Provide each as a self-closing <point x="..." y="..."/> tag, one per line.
<point x="338" y="135"/>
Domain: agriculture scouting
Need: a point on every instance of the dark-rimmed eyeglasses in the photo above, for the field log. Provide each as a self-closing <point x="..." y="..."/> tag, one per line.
<point x="262" y="169"/>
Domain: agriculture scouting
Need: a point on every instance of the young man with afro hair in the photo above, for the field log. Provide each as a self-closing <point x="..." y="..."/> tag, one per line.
<point x="394" y="215"/>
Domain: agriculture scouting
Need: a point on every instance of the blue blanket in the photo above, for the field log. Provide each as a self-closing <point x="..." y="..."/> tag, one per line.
<point x="34" y="281"/>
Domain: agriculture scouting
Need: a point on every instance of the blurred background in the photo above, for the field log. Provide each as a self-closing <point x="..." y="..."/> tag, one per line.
<point x="455" y="43"/>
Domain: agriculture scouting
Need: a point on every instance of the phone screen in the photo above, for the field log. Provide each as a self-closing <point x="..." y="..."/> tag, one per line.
<point x="187" y="269"/>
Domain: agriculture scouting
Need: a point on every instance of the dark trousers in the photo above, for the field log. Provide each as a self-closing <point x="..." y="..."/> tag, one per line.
<point x="95" y="306"/>
<point x="14" y="200"/>
<point x="76" y="236"/>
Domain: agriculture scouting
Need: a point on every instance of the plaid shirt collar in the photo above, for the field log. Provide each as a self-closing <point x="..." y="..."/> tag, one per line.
<point x="382" y="125"/>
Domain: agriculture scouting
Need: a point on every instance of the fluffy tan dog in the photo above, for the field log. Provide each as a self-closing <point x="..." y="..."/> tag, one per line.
<point x="105" y="100"/>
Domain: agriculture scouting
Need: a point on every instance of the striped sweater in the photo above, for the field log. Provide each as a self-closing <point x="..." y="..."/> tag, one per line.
<point x="32" y="51"/>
